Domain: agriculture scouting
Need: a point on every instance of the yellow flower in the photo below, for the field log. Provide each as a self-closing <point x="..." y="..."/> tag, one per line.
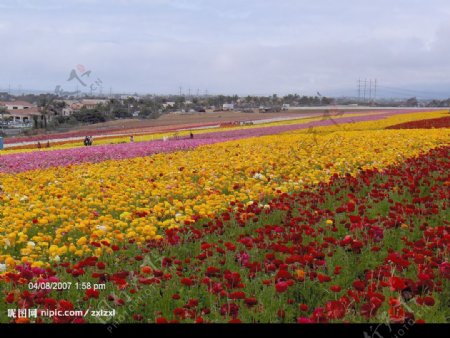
<point x="81" y="241"/>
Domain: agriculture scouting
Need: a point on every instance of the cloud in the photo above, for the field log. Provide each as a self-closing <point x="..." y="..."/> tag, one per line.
<point x="260" y="47"/>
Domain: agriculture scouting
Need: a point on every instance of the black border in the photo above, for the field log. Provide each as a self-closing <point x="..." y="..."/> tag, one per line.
<point x="229" y="330"/>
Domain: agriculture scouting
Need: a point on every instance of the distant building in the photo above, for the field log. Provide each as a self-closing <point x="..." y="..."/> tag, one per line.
<point x="17" y="105"/>
<point x="67" y="111"/>
<point x="228" y="106"/>
<point x="93" y="103"/>
<point x="168" y="105"/>
<point x="21" y="113"/>
<point x="126" y="97"/>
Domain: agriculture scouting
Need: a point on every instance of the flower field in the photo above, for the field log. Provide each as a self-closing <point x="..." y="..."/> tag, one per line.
<point x="322" y="220"/>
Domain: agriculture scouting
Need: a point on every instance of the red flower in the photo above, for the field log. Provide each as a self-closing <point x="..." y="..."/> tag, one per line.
<point x="50" y="303"/>
<point x="237" y="295"/>
<point x="353" y="218"/>
<point x="359" y="285"/>
<point x="161" y="320"/>
<point x="212" y="271"/>
<point x="350" y="207"/>
<point x="429" y="301"/>
<point x="186" y="281"/>
<point x="304" y="320"/>
<point x="231" y="309"/>
<point x="65" y="305"/>
<point x="283" y="274"/>
<point x="281" y="287"/>
<point x="396" y="311"/>
<point x="91" y="293"/>
<point x="250" y="301"/>
<point x="101" y="265"/>
<point x="192" y="303"/>
<point x="303" y="307"/>
<point x="319" y="316"/>
<point x="397" y="283"/>
<point x="323" y="278"/>
<point x="10" y="298"/>
<point x="138" y="317"/>
<point x="444" y="269"/>
<point x="335" y="288"/>
<point x="235" y="321"/>
<point x="335" y="310"/>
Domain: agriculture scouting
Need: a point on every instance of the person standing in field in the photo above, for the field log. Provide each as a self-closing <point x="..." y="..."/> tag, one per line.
<point x="131" y="138"/>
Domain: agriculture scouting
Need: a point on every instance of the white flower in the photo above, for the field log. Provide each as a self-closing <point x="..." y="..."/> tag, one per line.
<point x="2" y="267"/>
<point x="31" y="243"/>
<point x="56" y="258"/>
<point x="101" y="227"/>
<point x="259" y="176"/>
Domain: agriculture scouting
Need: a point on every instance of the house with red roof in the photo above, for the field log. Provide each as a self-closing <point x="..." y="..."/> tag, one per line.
<point x="20" y="113"/>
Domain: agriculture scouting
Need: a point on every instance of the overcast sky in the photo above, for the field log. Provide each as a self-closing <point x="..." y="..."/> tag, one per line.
<point x="228" y="46"/>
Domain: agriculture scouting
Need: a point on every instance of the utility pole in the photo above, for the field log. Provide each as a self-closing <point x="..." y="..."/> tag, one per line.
<point x="359" y="90"/>
<point x="370" y="90"/>
<point x="375" y="91"/>
<point x="180" y="90"/>
<point x="365" y="86"/>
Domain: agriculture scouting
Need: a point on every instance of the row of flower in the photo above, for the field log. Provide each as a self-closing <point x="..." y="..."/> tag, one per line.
<point x="24" y="161"/>
<point x="366" y="247"/>
<point x="442" y="122"/>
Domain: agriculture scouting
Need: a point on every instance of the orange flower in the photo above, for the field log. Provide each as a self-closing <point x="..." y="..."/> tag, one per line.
<point x="300" y="274"/>
<point x="146" y="269"/>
